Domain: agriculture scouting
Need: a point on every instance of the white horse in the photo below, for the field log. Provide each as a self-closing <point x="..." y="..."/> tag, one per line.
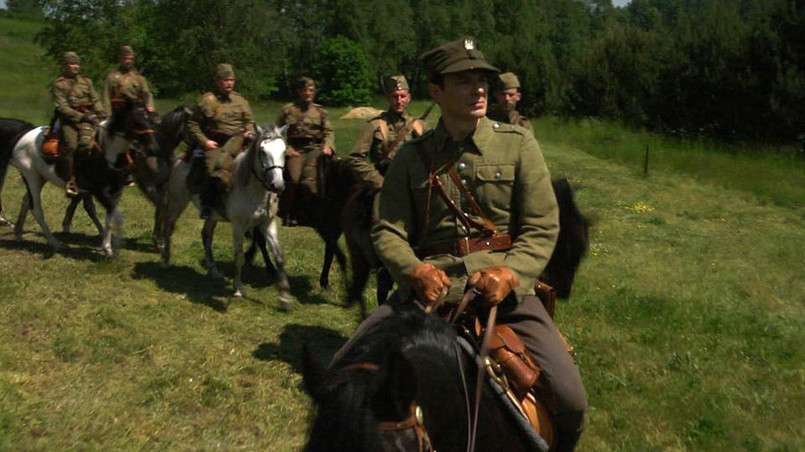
<point x="96" y="173"/>
<point x="251" y="204"/>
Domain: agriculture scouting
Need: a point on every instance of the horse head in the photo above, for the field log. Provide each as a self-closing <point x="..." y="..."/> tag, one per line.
<point x="365" y="407"/>
<point x="269" y="162"/>
<point x="571" y="245"/>
<point x="130" y="125"/>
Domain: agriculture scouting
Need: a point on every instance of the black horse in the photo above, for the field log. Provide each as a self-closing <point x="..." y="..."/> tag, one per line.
<point x="571" y="245"/>
<point x="412" y="359"/>
<point x="11" y="130"/>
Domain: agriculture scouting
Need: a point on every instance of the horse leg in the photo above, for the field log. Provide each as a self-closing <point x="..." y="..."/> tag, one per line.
<point x="207" y="233"/>
<point x="3" y="220"/>
<point x="114" y="223"/>
<point x="271" y="235"/>
<point x="25" y="206"/>
<point x="35" y="192"/>
<point x="384" y="284"/>
<point x="67" y="221"/>
<point x="260" y="241"/>
<point x="324" y="278"/>
<point x="89" y="208"/>
<point x="237" y="248"/>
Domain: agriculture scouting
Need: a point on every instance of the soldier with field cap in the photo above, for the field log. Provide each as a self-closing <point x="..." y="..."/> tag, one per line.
<point x="220" y="123"/>
<point x="310" y="136"/>
<point x="78" y="110"/>
<point x="125" y="84"/>
<point x="382" y="135"/>
<point x="507" y="94"/>
<point x="494" y="236"/>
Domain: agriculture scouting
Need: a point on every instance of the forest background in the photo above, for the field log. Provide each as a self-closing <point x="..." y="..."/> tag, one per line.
<point x="730" y="69"/>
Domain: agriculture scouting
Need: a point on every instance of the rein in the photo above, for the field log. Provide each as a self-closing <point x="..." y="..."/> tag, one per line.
<point x="415" y="419"/>
<point x="258" y="156"/>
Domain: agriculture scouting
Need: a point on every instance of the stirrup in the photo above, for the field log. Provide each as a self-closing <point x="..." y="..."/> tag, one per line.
<point x="71" y="189"/>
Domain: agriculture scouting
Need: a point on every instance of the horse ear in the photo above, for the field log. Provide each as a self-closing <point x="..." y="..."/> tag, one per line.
<point x="396" y="385"/>
<point x="313" y="373"/>
<point x="283" y="129"/>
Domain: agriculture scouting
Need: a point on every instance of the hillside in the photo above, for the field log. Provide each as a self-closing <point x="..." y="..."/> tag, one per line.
<point x="688" y="315"/>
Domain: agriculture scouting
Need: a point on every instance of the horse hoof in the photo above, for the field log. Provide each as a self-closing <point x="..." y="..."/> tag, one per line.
<point x="286" y="303"/>
<point x="238" y="294"/>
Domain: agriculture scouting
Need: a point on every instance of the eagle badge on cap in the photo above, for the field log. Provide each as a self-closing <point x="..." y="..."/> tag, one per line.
<point x="469" y="44"/>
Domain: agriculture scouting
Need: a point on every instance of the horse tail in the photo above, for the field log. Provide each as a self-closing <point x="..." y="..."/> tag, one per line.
<point x="11" y="130"/>
<point x="572" y="244"/>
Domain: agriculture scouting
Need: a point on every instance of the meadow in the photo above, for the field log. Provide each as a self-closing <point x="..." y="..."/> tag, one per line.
<point x="688" y="316"/>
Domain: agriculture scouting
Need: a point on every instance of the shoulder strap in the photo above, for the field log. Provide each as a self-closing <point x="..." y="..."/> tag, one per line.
<point x="487" y="228"/>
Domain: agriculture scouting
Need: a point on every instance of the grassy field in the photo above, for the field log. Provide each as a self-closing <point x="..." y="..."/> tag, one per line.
<point x="688" y="315"/>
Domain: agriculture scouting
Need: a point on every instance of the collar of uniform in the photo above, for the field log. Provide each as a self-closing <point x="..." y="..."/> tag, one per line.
<point x="471" y="143"/>
<point x="394" y="117"/>
<point x="223" y="97"/>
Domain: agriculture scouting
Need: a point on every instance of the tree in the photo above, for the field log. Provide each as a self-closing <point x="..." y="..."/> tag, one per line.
<point x="341" y="68"/>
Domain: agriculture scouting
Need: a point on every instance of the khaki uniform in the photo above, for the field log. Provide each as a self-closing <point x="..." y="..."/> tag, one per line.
<point x="309" y="130"/>
<point x="122" y="86"/>
<point x="73" y="98"/>
<point x="223" y="119"/>
<point x="510" y="117"/>
<point x="375" y="141"/>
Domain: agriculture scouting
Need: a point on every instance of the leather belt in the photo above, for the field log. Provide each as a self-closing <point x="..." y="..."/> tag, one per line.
<point x="467" y="245"/>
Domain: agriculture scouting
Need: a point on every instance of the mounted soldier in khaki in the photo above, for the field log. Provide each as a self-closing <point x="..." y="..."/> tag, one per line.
<point x="507" y="95"/>
<point x="310" y="136"/>
<point x="220" y="124"/>
<point x="78" y="111"/>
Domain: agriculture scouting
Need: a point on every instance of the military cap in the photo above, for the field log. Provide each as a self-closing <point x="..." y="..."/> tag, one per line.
<point x="70" y="57"/>
<point x="224" y="70"/>
<point x="456" y="56"/>
<point x="509" y="81"/>
<point x="303" y="82"/>
<point x="396" y="82"/>
<point x="126" y="51"/>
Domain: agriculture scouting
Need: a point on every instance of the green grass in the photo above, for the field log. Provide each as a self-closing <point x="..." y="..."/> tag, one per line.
<point x="688" y="316"/>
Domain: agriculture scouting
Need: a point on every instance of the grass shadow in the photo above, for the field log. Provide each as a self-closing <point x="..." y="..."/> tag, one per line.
<point x="322" y="343"/>
<point x="198" y="288"/>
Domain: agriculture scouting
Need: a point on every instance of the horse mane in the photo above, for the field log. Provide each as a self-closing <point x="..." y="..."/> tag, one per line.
<point x="571" y="245"/>
<point x="349" y="400"/>
<point x="243" y="169"/>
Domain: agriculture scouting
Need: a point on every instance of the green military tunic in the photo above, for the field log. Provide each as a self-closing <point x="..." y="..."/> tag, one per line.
<point x="74" y="97"/>
<point x="510" y="117"/>
<point x="504" y="169"/>
<point x="224" y="119"/>
<point x="309" y="131"/>
<point x="129" y="85"/>
<point x="377" y="140"/>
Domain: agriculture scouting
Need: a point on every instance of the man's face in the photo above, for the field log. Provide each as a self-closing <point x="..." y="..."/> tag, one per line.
<point x="507" y="99"/>
<point x="306" y="94"/>
<point x="463" y="96"/>
<point x="127" y="62"/>
<point x="399" y="100"/>
<point x="225" y="85"/>
<point x="73" y="68"/>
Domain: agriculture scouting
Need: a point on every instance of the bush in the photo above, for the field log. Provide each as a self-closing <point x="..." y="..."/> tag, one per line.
<point x="341" y="68"/>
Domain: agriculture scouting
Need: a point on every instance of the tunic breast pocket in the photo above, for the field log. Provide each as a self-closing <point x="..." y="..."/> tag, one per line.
<point x="494" y="183"/>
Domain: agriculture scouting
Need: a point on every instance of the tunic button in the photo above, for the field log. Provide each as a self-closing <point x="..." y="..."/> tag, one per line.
<point x="497" y="175"/>
<point x="464" y="181"/>
<point x="462" y="165"/>
<point x="496" y="125"/>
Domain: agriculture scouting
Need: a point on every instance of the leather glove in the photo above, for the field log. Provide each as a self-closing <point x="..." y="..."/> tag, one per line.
<point x="430" y="284"/>
<point x="494" y="283"/>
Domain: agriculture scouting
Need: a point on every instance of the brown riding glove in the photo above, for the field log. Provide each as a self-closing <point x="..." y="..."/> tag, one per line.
<point x="493" y="284"/>
<point x="430" y="284"/>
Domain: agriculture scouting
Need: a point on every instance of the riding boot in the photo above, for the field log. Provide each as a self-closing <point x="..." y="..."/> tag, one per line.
<point x="208" y="195"/>
<point x="71" y="187"/>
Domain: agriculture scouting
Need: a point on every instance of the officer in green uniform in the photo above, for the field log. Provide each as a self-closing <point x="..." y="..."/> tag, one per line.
<point x="507" y="94"/>
<point x="435" y="256"/>
<point x="382" y="135"/>
<point x="78" y="110"/>
<point x="124" y="84"/>
<point x="310" y="135"/>
<point x="220" y="123"/>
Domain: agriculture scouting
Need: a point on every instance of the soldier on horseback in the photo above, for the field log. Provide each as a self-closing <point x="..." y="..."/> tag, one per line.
<point x="78" y="111"/>
<point x="469" y="207"/>
<point x="125" y="84"/>
<point x="382" y="135"/>
<point x="310" y="136"/>
<point x="507" y="94"/>
<point x="221" y="121"/>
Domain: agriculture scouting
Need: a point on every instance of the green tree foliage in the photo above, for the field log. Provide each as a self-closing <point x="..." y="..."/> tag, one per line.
<point x="342" y="70"/>
<point x="729" y="68"/>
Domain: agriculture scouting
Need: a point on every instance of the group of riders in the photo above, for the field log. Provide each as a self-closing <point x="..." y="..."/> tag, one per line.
<point x="466" y="206"/>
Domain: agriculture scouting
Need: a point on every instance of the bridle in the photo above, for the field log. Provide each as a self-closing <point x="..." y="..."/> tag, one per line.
<point x="415" y="420"/>
<point x="259" y="151"/>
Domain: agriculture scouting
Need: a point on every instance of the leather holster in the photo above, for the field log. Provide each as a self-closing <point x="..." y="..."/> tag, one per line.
<point x="508" y="351"/>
